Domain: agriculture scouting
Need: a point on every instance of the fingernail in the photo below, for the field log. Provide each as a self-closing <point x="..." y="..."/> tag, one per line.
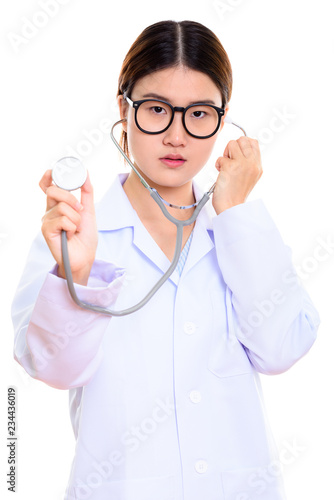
<point x="79" y="206"/>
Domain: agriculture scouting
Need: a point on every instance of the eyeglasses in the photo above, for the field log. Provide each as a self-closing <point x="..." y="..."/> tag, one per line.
<point x="154" y="116"/>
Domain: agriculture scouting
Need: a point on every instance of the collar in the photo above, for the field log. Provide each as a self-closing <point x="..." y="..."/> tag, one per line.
<point x="115" y="212"/>
<point x="109" y="219"/>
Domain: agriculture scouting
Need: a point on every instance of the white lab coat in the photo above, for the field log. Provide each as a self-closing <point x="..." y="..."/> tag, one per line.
<point x="166" y="402"/>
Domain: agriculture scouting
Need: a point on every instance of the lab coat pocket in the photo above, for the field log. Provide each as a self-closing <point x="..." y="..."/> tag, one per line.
<point x="227" y="357"/>
<point x="151" y="488"/>
<point x="252" y="484"/>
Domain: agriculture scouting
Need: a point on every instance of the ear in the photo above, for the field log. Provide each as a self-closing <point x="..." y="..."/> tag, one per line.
<point x="123" y="110"/>
<point x="223" y="120"/>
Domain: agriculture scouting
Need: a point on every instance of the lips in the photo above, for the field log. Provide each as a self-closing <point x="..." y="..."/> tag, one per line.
<point x="172" y="160"/>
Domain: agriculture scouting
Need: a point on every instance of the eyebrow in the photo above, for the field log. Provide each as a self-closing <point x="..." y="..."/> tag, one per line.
<point x="162" y="98"/>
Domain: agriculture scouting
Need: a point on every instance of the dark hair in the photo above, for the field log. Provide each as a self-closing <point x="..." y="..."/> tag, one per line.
<point x="168" y="44"/>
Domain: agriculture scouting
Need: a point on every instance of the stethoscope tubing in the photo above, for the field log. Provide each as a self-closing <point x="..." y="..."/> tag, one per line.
<point x="180" y="224"/>
<point x="177" y="252"/>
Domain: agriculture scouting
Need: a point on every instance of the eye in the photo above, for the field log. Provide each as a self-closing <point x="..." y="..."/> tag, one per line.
<point x="199" y="114"/>
<point x="158" y="110"/>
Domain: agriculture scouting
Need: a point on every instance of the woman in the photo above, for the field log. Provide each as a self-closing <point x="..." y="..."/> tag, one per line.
<point x="165" y="402"/>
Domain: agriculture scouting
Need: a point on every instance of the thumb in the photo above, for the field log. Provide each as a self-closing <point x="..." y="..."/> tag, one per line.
<point x="222" y="162"/>
<point x="87" y="195"/>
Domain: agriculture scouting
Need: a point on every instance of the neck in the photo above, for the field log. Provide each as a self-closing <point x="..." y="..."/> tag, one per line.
<point x="141" y="200"/>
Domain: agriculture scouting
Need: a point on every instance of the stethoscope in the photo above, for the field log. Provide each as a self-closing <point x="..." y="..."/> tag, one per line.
<point x="69" y="173"/>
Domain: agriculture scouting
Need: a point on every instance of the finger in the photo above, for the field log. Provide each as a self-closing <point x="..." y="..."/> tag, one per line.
<point x="52" y="228"/>
<point x="256" y="149"/>
<point x="233" y="150"/>
<point x="87" y="195"/>
<point x="63" y="209"/>
<point x="256" y="153"/>
<point x="223" y="163"/>
<point x="246" y="146"/>
<point x="56" y="195"/>
<point x="46" y="181"/>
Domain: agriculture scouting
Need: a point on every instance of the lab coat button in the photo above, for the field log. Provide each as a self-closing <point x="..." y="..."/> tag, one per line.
<point x="195" y="396"/>
<point x="189" y="327"/>
<point x="201" y="466"/>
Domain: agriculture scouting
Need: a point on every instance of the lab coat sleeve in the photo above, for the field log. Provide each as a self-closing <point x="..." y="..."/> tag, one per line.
<point x="56" y="341"/>
<point x="273" y="316"/>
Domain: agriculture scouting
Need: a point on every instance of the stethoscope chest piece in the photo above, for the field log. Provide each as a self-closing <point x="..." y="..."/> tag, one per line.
<point x="69" y="173"/>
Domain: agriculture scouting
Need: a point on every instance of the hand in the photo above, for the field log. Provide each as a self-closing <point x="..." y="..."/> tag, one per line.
<point x="64" y="211"/>
<point x="239" y="170"/>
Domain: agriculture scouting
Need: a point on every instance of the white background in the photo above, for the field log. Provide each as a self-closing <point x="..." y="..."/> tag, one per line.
<point x="62" y="81"/>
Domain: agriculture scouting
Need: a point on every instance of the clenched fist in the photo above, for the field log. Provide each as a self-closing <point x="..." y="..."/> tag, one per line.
<point x="239" y="170"/>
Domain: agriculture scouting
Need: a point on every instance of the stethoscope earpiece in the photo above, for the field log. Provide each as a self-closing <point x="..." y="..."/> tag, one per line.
<point x="69" y="173"/>
<point x="228" y="119"/>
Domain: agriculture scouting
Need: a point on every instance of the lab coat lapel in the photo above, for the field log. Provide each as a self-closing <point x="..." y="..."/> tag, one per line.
<point x="108" y="220"/>
<point x="147" y="245"/>
<point x="202" y="241"/>
<point x="201" y="244"/>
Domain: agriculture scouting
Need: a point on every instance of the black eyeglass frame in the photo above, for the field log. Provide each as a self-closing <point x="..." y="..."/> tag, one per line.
<point x="136" y="104"/>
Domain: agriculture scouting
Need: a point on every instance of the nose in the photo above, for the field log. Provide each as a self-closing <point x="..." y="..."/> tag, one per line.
<point x="176" y="134"/>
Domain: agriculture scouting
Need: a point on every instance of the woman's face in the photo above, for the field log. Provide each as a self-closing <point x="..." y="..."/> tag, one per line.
<point x="153" y="154"/>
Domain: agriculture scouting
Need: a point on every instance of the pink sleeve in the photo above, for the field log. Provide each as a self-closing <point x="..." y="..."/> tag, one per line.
<point x="64" y="340"/>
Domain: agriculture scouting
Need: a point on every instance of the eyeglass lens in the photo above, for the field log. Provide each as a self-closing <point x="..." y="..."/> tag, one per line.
<point x="154" y="116"/>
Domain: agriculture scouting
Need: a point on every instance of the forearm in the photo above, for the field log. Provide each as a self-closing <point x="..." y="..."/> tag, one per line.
<point x="274" y="317"/>
<point x="51" y="332"/>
